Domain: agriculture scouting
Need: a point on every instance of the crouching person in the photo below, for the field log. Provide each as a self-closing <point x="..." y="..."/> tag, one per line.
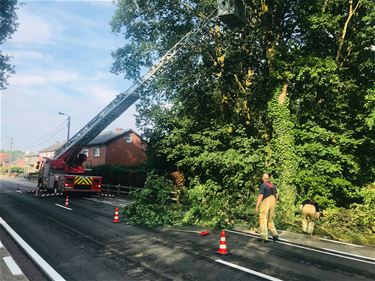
<point x="310" y="213"/>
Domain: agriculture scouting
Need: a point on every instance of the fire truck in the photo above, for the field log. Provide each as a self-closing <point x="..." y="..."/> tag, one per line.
<point x="65" y="172"/>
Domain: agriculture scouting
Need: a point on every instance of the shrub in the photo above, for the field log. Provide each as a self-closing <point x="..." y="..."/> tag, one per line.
<point x="153" y="205"/>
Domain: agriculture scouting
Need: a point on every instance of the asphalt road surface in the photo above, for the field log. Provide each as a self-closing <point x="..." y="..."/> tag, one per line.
<point x="84" y="244"/>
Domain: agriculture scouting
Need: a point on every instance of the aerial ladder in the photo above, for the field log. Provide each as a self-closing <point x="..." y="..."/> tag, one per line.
<point x="65" y="172"/>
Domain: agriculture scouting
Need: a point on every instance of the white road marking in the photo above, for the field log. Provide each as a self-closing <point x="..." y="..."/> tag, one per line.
<point x="12" y="265"/>
<point x="327" y="253"/>
<point x="106" y="202"/>
<point x="19" y="191"/>
<point x="265" y="276"/>
<point x="306" y="248"/>
<point x="100" y="201"/>
<point x="33" y="255"/>
<point x="339" y="242"/>
<point x="61" y="206"/>
<point x="349" y="254"/>
<point x="244" y="234"/>
<point x="1" y="245"/>
<point x="253" y="235"/>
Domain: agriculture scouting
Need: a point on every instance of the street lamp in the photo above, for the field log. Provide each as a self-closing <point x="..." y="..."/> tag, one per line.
<point x="62" y="113"/>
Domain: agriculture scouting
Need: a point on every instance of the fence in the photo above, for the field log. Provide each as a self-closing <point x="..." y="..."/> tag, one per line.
<point x="119" y="189"/>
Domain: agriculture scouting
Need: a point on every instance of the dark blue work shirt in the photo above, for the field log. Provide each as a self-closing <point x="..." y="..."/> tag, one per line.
<point x="267" y="191"/>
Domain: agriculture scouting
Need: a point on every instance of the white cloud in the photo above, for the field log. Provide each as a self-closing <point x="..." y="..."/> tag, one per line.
<point x="43" y="78"/>
<point x="32" y="29"/>
<point x="28" y="55"/>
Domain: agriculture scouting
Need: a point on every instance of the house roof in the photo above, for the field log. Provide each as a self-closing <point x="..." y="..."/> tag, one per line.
<point x="4" y="156"/>
<point x="53" y="147"/>
<point x="107" y="136"/>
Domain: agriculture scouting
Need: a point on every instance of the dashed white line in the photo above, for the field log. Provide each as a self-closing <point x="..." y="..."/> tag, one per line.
<point x="349" y="254"/>
<point x="265" y="276"/>
<point x="61" y="206"/>
<point x="339" y="242"/>
<point x="1" y="245"/>
<point x="19" y="191"/>
<point x="307" y="248"/>
<point x="34" y="255"/>
<point x="12" y="265"/>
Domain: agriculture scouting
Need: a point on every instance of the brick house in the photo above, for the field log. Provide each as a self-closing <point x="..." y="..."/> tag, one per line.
<point x="49" y="152"/>
<point x="121" y="147"/>
<point x="4" y="159"/>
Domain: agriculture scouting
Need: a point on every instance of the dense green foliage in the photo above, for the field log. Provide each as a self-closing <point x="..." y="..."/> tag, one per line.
<point x="128" y="176"/>
<point x="8" y="26"/>
<point x="290" y="93"/>
<point x="153" y="205"/>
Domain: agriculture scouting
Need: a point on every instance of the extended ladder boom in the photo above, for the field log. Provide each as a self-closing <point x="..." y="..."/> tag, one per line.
<point x="123" y="101"/>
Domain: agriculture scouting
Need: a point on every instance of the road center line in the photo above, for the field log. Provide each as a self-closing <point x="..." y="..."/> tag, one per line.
<point x="349" y="254"/>
<point x="265" y="276"/>
<point x="307" y="248"/>
<point x="12" y="265"/>
<point x="61" y="206"/>
<point x="32" y="254"/>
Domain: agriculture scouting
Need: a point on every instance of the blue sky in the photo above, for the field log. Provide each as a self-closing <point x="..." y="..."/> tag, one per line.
<point x="62" y="54"/>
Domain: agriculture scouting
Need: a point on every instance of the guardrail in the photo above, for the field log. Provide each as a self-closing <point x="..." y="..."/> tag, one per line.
<point x="119" y="189"/>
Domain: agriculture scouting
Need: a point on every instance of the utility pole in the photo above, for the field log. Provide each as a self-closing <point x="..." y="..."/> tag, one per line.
<point x="10" y="154"/>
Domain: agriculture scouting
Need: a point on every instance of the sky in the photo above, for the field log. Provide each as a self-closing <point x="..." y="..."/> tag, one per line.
<point x="62" y="57"/>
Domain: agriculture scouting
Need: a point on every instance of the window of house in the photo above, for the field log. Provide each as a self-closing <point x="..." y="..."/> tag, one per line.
<point x="96" y="151"/>
<point x="129" y="138"/>
<point x="86" y="152"/>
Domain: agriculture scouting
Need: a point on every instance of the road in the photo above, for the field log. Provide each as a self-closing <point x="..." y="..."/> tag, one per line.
<point x="84" y="244"/>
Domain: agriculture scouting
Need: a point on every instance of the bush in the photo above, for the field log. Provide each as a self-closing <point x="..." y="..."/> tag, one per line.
<point x="153" y="205"/>
<point x="128" y="176"/>
<point x="213" y="206"/>
<point x="355" y="224"/>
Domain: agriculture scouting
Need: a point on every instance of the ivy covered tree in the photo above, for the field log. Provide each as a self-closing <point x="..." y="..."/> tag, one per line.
<point x="8" y="26"/>
<point x="291" y="92"/>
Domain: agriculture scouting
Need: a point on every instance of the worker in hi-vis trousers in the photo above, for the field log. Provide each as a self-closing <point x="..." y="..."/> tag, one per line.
<point x="310" y="213"/>
<point x="267" y="200"/>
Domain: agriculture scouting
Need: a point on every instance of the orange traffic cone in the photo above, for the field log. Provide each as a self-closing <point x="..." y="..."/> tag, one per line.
<point x="223" y="244"/>
<point x="67" y="202"/>
<point x="116" y="218"/>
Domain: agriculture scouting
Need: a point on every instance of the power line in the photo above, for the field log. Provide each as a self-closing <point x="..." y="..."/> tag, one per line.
<point x="45" y="138"/>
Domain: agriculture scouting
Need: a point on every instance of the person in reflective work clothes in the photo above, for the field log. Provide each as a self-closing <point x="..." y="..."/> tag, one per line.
<point x="310" y="212"/>
<point x="267" y="201"/>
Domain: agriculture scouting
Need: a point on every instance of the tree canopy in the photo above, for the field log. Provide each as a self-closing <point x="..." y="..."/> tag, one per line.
<point x="8" y="26"/>
<point x="290" y="93"/>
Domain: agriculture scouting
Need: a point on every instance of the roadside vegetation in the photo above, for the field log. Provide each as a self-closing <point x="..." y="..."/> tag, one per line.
<point x="8" y="25"/>
<point x="290" y="93"/>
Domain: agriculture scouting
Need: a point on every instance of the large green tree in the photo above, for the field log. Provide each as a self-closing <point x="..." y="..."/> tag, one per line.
<point x="8" y="26"/>
<point x="291" y="92"/>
